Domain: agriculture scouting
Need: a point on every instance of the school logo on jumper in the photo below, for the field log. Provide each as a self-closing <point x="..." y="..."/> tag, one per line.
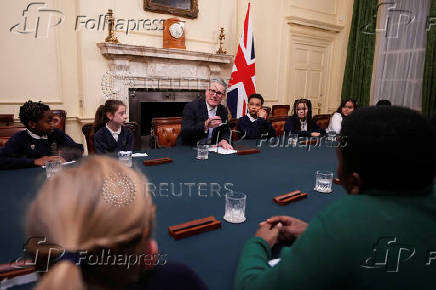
<point x="38" y="19"/>
<point x="388" y="254"/>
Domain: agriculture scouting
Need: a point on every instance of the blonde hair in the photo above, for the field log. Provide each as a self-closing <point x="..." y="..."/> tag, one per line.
<point x="71" y="212"/>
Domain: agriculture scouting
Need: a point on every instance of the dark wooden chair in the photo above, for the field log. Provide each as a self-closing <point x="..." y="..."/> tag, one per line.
<point x="278" y="123"/>
<point x="89" y="132"/>
<point x="136" y="132"/>
<point x="7" y="119"/>
<point x="165" y="131"/>
<point x="59" y="119"/>
<point x="280" y="110"/>
<point x="7" y="132"/>
<point x="233" y="123"/>
<point x="322" y="120"/>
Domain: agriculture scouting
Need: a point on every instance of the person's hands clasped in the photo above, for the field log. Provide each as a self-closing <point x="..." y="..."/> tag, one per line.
<point x="212" y="122"/>
<point x="269" y="233"/>
<point x="290" y="228"/>
<point x="262" y="114"/>
<point x="42" y="160"/>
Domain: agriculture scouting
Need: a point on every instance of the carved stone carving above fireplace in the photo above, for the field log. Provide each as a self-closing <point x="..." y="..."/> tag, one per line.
<point x="151" y="62"/>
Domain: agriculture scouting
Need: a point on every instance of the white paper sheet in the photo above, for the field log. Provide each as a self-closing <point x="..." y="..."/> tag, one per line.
<point x="139" y="155"/>
<point x="221" y="150"/>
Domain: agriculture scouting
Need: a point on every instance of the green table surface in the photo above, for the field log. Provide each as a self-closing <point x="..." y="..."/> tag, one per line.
<point x="188" y="189"/>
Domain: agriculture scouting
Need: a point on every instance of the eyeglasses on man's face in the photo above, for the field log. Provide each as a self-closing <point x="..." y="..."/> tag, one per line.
<point x="218" y="93"/>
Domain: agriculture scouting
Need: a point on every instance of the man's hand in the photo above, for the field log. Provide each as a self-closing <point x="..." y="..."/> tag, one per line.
<point x="223" y="143"/>
<point x="262" y="114"/>
<point x="42" y="160"/>
<point x="291" y="227"/>
<point x="269" y="233"/>
<point x="315" y="134"/>
<point x="212" y="123"/>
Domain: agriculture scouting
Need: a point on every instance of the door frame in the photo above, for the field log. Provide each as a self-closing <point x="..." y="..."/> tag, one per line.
<point x="311" y="36"/>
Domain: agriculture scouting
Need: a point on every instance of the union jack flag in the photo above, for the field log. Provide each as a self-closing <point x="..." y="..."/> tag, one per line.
<point x="243" y="79"/>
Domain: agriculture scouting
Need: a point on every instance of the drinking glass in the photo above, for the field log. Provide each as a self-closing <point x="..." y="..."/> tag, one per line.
<point x="235" y="207"/>
<point x="202" y="152"/>
<point x="125" y="157"/>
<point x="323" y="181"/>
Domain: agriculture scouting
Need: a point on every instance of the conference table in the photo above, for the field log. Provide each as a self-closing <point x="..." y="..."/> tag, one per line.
<point x="189" y="189"/>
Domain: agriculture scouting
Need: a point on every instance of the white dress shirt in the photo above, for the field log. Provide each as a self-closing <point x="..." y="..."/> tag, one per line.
<point x="115" y="134"/>
<point x="303" y="125"/>
<point x="211" y="111"/>
<point x="335" y="123"/>
<point x="36" y="136"/>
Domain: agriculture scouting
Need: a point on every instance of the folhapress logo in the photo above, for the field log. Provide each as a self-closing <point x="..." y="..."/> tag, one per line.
<point x="388" y="254"/>
<point x="38" y="20"/>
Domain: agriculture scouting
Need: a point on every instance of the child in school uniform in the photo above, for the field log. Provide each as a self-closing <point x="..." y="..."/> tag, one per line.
<point x="301" y="121"/>
<point x="255" y="124"/>
<point x="40" y="142"/>
<point x="111" y="135"/>
<point x="110" y="219"/>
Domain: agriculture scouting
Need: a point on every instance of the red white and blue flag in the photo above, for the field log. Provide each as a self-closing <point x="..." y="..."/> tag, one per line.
<point x="243" y="79"/>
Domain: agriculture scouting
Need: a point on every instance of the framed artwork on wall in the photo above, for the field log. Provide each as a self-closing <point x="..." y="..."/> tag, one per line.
<point x="184" y="8"/>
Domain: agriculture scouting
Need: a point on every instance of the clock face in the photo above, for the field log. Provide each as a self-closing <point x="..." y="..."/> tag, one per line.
<point x="176" y="30"/>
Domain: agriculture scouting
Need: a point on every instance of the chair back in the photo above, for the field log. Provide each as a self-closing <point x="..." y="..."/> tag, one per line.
<point x="134" y="127"/>
<point x="278" y="123"/>
<point x="89" y="132"/>
<point x="166" y="130"/>
<point x="280" y="110"/>
<point x="322" y="120"/>
<point x="7" y="119"/>
<point x="7" y="132"/>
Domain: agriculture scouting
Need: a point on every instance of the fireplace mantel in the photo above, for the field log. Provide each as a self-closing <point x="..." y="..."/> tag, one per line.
<point x="114" y="51"/>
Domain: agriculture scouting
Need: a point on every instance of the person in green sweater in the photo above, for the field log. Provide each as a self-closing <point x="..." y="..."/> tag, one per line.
<point x="380" y="236"/>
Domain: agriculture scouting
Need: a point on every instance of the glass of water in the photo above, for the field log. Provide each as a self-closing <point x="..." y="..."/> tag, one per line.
<point x="293" y="139"/>
<point x="235" y="207"/>
<point x="53" y="167"/>
<point x="125" y="157"/>
<point x="323" y="181"/>
<point x="202" y="152"/>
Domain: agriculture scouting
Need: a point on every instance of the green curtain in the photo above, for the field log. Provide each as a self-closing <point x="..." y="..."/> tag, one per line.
<point x="360" y="52"/>
<point x="429" y="81"/>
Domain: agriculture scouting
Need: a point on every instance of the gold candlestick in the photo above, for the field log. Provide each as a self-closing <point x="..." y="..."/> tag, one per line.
<point x="111" y="34"/>
<point x="221" y="37"/>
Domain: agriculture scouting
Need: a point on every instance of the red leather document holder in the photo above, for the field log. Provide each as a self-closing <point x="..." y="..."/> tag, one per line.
<point x="194" y="227"/>
<point x="289" y="197"/>
<point x="158" y="161"/>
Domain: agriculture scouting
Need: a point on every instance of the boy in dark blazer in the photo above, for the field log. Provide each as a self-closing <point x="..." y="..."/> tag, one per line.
<point x="205" y="120"/>
<point x="255" y="124"/>
<point x="40" y="142"/>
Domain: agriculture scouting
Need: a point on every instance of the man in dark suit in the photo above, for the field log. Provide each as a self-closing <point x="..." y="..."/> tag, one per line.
<point x="205" y="120"/>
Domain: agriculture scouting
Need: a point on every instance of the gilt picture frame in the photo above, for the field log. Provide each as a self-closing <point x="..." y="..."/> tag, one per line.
<point x="183" y="8"/>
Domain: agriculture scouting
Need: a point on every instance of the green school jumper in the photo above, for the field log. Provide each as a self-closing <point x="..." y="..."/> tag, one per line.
<point x="376" y="240"/>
